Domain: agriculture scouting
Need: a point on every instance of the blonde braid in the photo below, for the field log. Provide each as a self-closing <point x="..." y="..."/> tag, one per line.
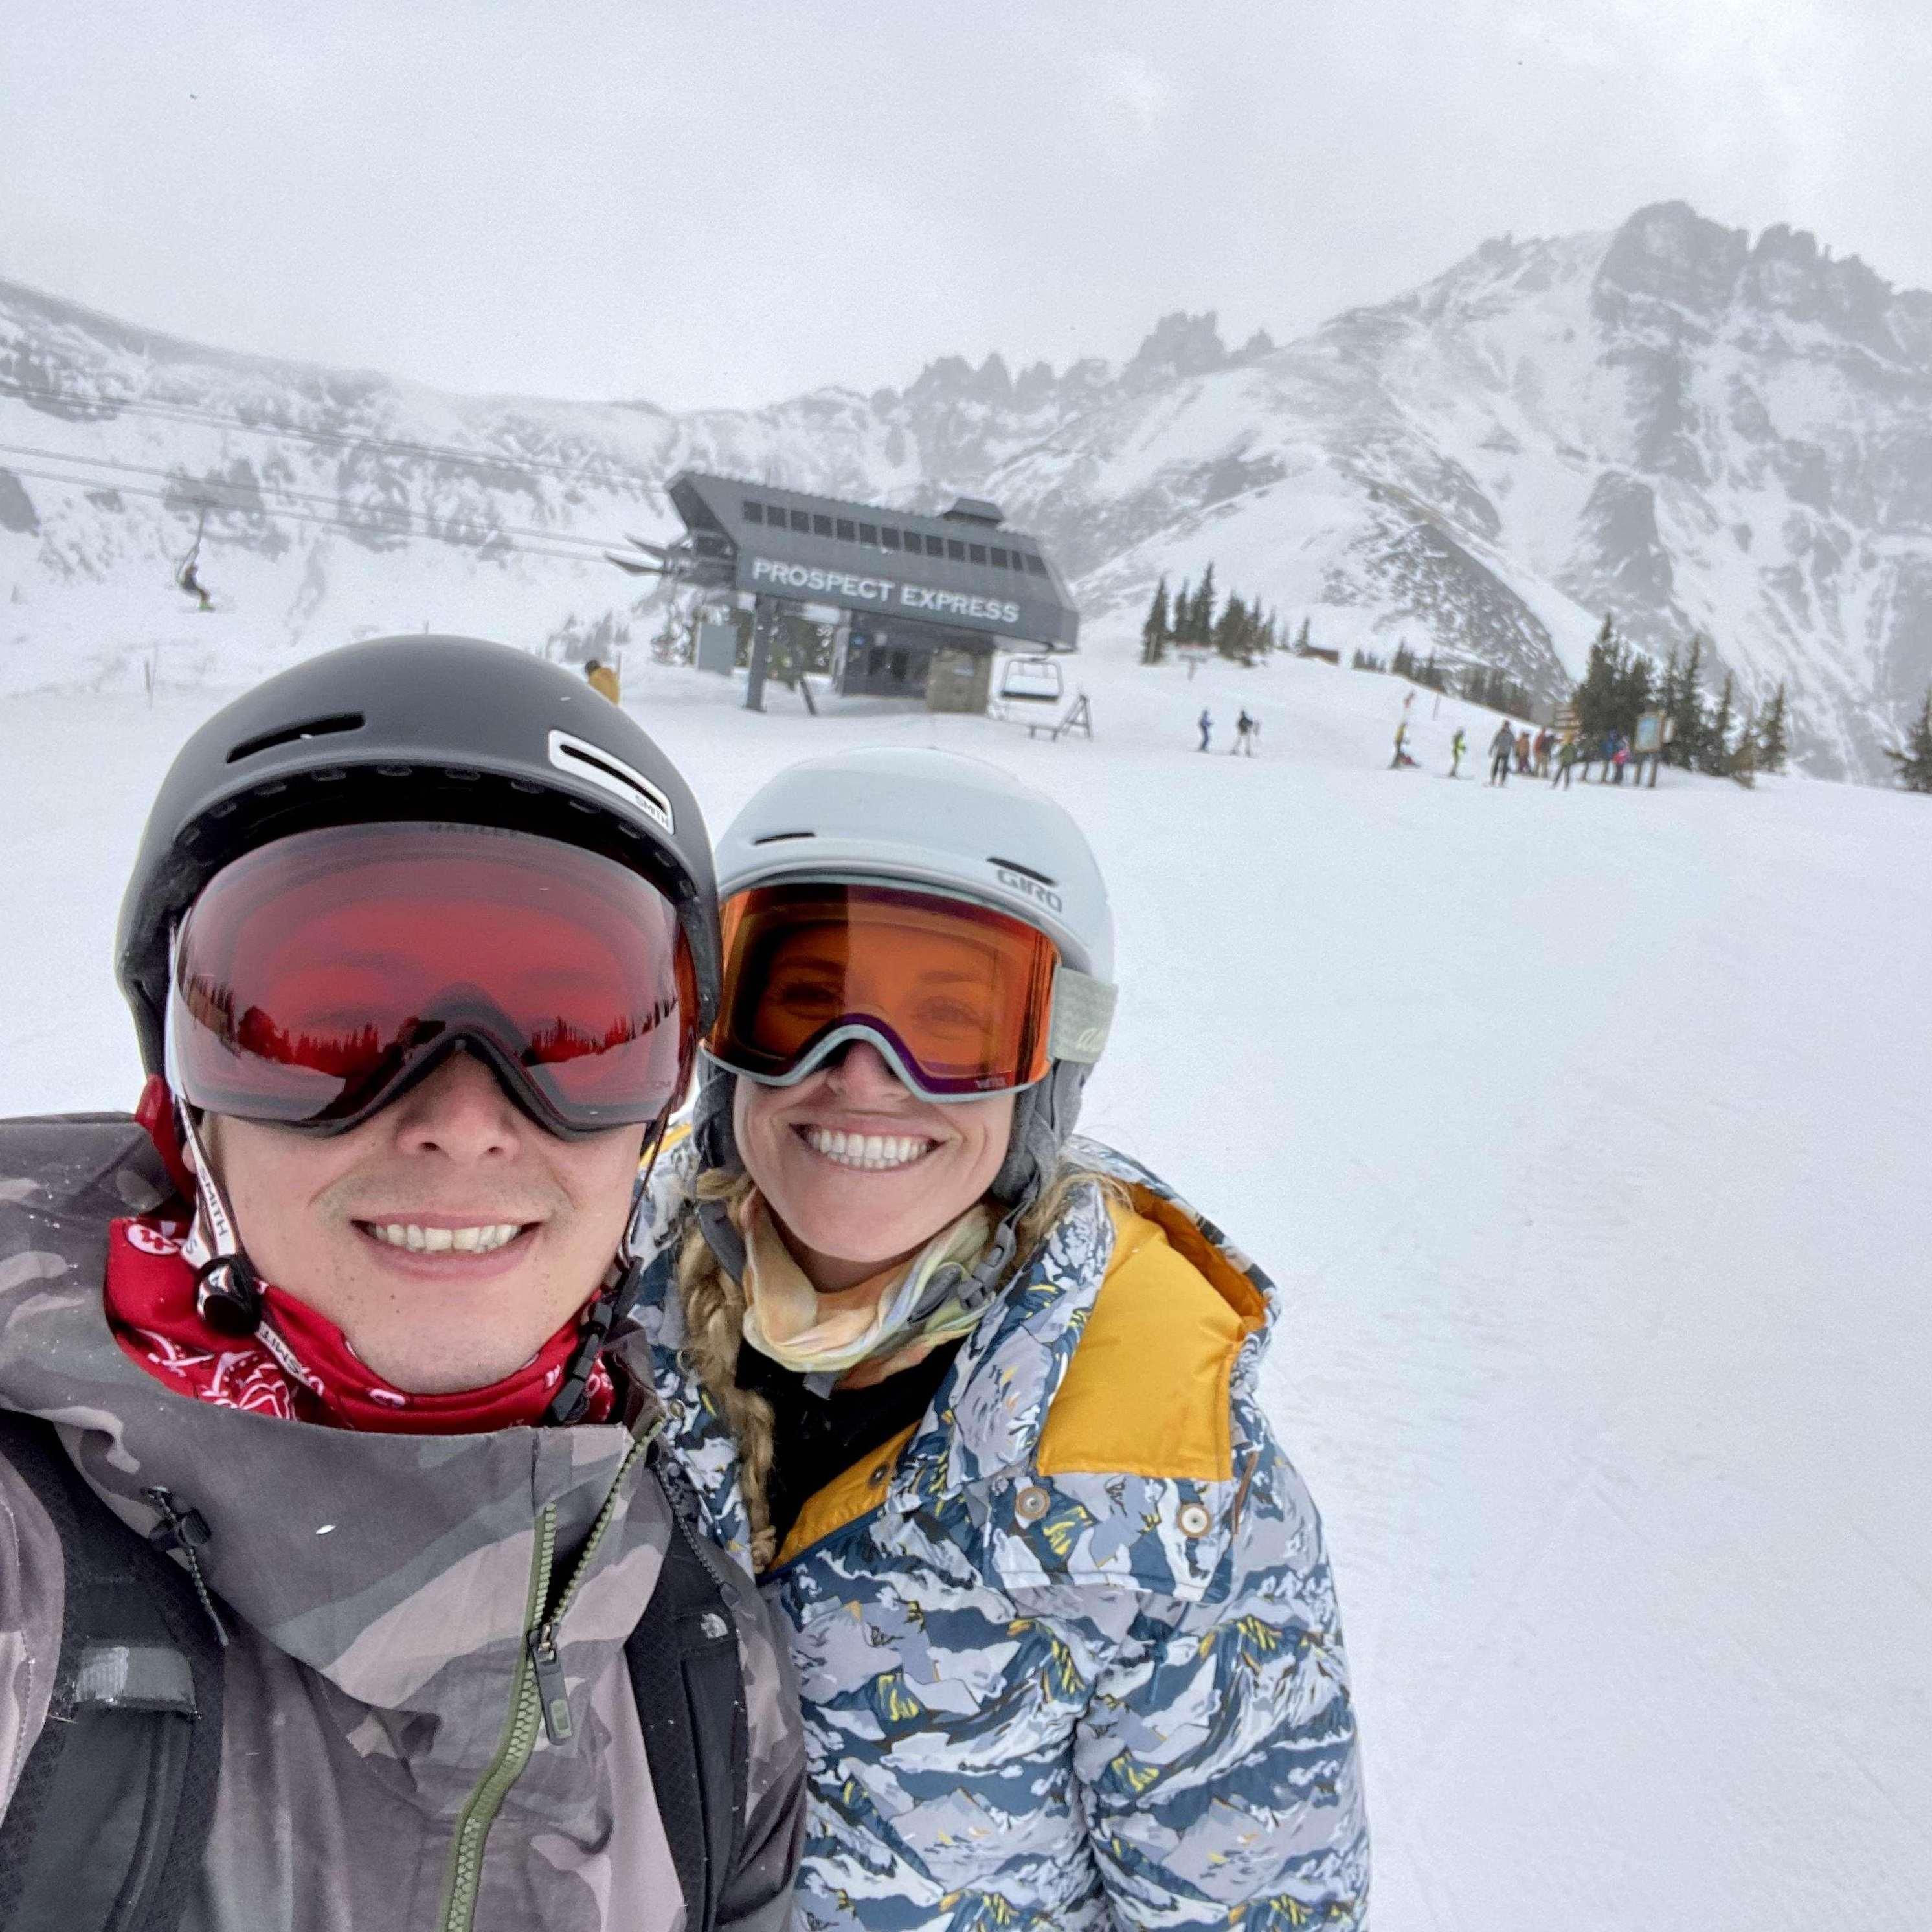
<point x="714" y="1321"/>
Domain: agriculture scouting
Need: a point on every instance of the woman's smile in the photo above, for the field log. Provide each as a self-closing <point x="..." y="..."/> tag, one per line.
<point x="857" y="1170"/>
<point x="866" y="1152"/>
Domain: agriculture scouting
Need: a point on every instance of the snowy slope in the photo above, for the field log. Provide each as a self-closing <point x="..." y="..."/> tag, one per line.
<point x="1584" y="1133"/>
<point x="1674" y="423"/>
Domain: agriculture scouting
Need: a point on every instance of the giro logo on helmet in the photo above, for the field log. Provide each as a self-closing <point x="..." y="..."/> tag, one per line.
<point x="1032" y="888"/>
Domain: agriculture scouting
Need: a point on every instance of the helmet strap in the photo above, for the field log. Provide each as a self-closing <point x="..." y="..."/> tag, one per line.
<point x="613" y="1300"/>
<point x="227" y="1291"/>
<point x="972" y="1290"/>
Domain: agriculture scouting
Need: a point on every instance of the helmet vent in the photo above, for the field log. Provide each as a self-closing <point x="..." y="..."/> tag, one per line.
<point x="291" y="734"/>
<point x="1026" y="871"/>
<point x="779" y="837"/>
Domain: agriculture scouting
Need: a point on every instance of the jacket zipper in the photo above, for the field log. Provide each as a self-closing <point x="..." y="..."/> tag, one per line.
<point x="684" y="1509"/>
<point x="538" y="1698"/>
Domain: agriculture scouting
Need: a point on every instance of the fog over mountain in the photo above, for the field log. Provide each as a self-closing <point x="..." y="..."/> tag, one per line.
<point x="1678" y="424"/>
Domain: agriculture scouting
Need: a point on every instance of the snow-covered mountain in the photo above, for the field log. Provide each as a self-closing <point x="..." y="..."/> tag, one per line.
<point x="1674" y="422"/>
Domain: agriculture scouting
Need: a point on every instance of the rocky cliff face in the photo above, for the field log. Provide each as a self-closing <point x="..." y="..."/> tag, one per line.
<point x="1674" y="423"/>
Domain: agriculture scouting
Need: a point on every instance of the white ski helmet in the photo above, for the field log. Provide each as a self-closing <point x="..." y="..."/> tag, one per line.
<point x="963" y="829"/>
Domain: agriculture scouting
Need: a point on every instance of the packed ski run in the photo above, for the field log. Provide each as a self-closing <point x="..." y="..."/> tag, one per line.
<point x="1582" y="1130"/>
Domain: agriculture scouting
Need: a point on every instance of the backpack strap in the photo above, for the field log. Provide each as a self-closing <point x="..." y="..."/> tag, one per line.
<point x="107" y="1826"/>
<point x="690" y="1692"/>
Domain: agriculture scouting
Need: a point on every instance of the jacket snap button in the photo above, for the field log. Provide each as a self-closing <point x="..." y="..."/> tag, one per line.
<point x="1030" y="1504"/>
<point x="1195" y="1520"/>
<point x="879" y="1474"/>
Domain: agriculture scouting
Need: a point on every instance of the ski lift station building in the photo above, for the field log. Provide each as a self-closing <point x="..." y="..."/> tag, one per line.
<point x="920" y="604"/>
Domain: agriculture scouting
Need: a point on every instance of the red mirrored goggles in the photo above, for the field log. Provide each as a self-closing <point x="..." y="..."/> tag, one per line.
<point x="958" y="997"/>
<point x="318" y="977"/>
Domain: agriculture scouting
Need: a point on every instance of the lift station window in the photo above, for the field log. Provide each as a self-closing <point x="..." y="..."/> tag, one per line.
<point x="916" y="543"/>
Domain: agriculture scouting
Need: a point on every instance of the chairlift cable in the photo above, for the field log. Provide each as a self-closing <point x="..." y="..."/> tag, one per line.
<point x="237" y="489"/>
<point x="306" y="517"/>
<point x="204" y="490"/>
<point x="104" y="408"/>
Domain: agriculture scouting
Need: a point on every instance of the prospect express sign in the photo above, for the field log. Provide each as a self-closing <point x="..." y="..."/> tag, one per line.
<point x="866" y="590"/>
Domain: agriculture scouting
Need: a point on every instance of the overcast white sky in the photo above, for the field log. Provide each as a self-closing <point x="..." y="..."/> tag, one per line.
<point x="700" y="203"/>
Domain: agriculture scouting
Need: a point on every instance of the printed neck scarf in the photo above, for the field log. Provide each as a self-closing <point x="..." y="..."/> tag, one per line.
<point x="298" y="1366"/>
<point x="786" y="1319"/>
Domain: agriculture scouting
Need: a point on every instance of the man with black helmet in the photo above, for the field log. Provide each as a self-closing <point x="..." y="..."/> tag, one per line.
<point x="346" y="1579"/>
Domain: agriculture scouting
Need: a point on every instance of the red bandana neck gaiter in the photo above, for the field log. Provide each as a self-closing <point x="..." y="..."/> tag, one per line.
<point x="298" y="1366"/>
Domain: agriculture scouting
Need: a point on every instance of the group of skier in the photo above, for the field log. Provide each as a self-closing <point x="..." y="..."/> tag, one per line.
<point x="1511" y="749"/>
<point x="448" y="1486"/>
<point x="1247" y="733"/>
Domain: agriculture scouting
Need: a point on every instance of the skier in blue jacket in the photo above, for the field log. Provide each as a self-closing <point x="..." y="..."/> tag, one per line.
<point x="979" y="1399"/>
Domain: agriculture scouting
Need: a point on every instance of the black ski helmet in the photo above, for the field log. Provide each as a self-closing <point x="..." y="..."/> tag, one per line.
<point x="421" y="728"/>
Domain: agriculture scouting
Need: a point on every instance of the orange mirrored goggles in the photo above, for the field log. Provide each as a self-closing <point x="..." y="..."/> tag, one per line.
<point x="958" y="998"/>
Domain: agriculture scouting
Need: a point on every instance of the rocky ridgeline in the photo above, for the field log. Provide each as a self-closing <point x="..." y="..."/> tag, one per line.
<point x="1693" y="429"/>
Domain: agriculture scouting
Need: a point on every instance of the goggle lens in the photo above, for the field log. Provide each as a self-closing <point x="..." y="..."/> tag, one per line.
<point x="314" y="974"/>
<point x="964" y="994"/>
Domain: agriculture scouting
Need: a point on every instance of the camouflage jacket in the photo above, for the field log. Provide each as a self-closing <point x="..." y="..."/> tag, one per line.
<point x="1068" y="1647"/>
<point x="379" y="1588"/>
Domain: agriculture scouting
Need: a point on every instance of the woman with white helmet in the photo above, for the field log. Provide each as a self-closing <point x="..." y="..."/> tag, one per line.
<point x="978" y="1399"/>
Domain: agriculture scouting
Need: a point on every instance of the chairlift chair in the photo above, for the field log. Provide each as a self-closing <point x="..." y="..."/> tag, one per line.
<point x="1035" y="680"/>
<point x="186" y="577"/>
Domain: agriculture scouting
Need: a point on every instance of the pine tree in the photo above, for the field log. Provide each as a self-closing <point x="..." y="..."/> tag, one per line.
<point x="1200" y="629"/>
<point x="1638" y="694"/>
<point x="1670" y="702"/>
<point x="1718" y="752"/>
<point x="1301" y="643"/>
<point x="1915" y="762"/>
<point x="1154" y="632"/>
<point x="1772" y="733"/>
<point x="1230" y="638"/>
<point x="1598" y="697"/>
<point x="1689" y="745"/>
<point x="1742" y="763"/>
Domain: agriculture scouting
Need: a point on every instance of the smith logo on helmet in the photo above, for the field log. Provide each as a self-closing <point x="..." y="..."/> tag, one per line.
<point x="583" y="760"/>
<point x="1018" y="882"/>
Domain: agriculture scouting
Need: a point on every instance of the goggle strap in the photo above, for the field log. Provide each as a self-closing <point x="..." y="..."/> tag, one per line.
<point x="1083" y="1016"/>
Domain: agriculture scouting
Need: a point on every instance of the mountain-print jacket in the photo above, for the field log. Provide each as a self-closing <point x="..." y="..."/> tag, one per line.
<point x="1068" y="1647"/>
<point x="379" y="1589"/>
